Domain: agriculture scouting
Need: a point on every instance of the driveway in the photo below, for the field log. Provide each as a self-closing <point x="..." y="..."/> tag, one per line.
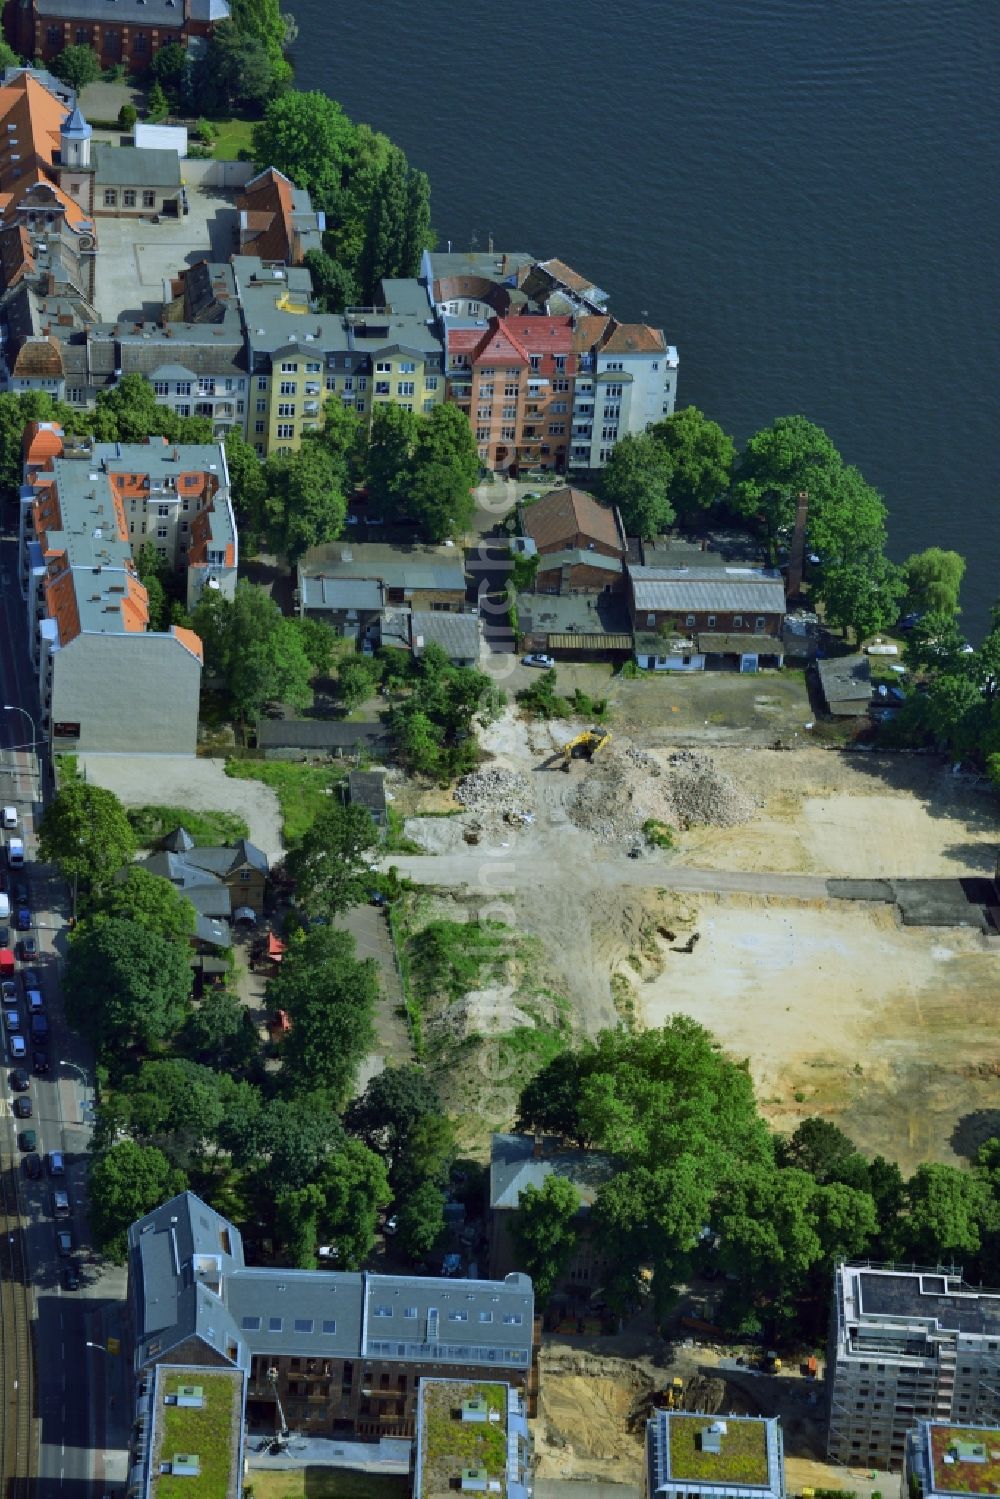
<point x="183" y="781"/>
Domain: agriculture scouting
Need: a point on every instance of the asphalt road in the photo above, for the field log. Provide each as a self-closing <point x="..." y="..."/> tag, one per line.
<point x="71" y="1382"/>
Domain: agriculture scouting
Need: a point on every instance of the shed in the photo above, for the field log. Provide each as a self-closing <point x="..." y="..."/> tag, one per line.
<point x="161" y="137"/>
<point x="366" y="788"/>
<point x="846" y="682"/>
<point x="297" y="738"/>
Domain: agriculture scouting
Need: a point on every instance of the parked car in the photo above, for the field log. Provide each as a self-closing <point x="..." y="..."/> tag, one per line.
<point x="56" y="1163"/>
<point x="19" y="1080"/>
<point x="27" y="1140"/>
<point x="35" y="1000"/>
<point x="18" y="1047"/>
<point x="11" y="1020"/>
<point x="39" y="1025"/>
<point x="8" y="989"/>
<point x="40" y="1061"/>
<point x="22" y="920"/>
<point x="64" y="1242"/>
<point x="391" y="1225"/>
<point x="10" y="817"/>
<point x="32" y="1167"/>
<point x="22" y="1107"/>
<point x="71" y="1278"/>
<point x="27" y="949"/>
<point x="60" y="1202"/>
<point x="30" y="979"/>
<point x="538" y="659"/>
<point x="20" y="892"/>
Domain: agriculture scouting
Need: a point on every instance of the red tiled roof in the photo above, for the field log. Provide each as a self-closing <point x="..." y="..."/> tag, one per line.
<point x="500" y="345"/>
<point x="588" y="331"/>
<point x="542" y="335"/>
<point x="16" y="259"/>
<point x="30" y="121"/>
<point x="268" y="231"/>
<point x="565" y="274"/>
<point x="633" y="338"/>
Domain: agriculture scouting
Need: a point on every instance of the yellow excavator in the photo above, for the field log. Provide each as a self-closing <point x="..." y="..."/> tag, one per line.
<point x="585" y="746"/>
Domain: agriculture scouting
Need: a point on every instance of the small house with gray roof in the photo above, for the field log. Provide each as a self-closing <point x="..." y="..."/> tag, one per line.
<point x="351" y="585"/>
<point x="521" y="1161"/>
<point x="219" y="881"/>
<point x="344" y="1350"/>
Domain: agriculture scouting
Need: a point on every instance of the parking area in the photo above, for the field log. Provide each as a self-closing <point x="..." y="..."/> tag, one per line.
<point x="136" y="255"/>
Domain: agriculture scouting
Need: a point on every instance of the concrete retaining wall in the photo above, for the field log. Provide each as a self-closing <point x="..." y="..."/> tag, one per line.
<point x="209" y="173"/>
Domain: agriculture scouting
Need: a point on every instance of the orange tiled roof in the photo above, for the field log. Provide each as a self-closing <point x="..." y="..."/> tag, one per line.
<point x="550" y="335"/>
<point x="61" y="605"/>
<point x="135" y="606"/>
<point x="189" y="640"/>
<point x="565" y="513"/>
<point x="30" y="121"/>
<point x="39" y="356"/>
<point x="42" y="441"/>
<point x="589" y="331"/>
<point x="633" y="338"/>
<point x="16" y="259"/>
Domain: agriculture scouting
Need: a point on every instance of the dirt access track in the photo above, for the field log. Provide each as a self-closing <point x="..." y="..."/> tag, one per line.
<point x="841" y="1010"/>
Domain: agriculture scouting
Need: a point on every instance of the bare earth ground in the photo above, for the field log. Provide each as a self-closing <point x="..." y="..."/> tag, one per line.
<point x="841" y="1010"/>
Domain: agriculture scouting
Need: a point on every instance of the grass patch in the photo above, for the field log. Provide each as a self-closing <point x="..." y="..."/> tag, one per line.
<point x="234" y="137"/>
<point x="542" y="701"/>
<point x="658" y="835"/>
<point x="449" y="958"/>
<point x="743" y="1458"/>
<point x="396" y="841"/>
<point x="411" y="1005"/>
<point x="325" y="1483"/>
<point x="151" y="823"/>
<point x="209" y="1430"/>
<point x="623" y="999"/>
<point x="302" y="790"/>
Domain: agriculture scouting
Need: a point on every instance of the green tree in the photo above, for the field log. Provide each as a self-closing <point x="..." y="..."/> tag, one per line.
<point x="330" y="865"/>
<point x="421" y="1221"/>
<point x="382" y="254"/>
<point x="127" y="117"/>
<point x="221" y="1033"/>
<point x="8" y="57"/>
<point x="935" y="645"/>
<point x="157" y="103"/>
<point x="126" y="986"/>
<point x="330" y="998"/>
<point x="847" y="519"/>
<point x="247" y="484"/>
<point x="356" y="680"/>
<point x="151" y="568"/>
<point x="77" y="66"/>
<point x="947" y="1212"/>
<point x="297" y="1217"/>
<point x="149" y="901"/>
<point x="16" y="411"/>
<point x="237" y="72"/>
<point x="390" y="446"/>
<point x="637" y="478"/>
<point x="126" y="1182"/>
<point x="355" y="1189"/>
<point x="84" y="830"/>
<point x="317" y="641"/>
<point x="702" y="458"/>
<point x="345" y="437"/>
<point x="443" y="470"/>
<point x="550" y="1101"/>
<point x="779" y="462"/>
<point x="544" y="1232"/>
<point x="934" y="580"/>
<point x="309" y="138"/>
<point x="334" y="285"/>
<point x="304" y="505"/>
<point x="392" y="1105"/>
<point x="862" y="595"/>
<point x="176" y="1104"/>
<point x="821" y="1148"/>
<point x="255" y="649"/>
<point x="128" y="412"/>
<point x="293" y="1135"/>
<point x="169" y="68"/>
<point x="426" y="1155"/>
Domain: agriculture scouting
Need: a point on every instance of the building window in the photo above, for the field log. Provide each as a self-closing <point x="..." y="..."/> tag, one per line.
<point x="83" y="36"/>
<point x="431" y="383"/>
<point x="128" y="197"/>
<point x="359" y="406"/>
<point x="261" y="407"/>
<point x="286" y="388"/>
<point x="184" y="387"/>
<point x="362" y="383"/>
<point x="482" y="434"/>
<point x="711" y="621"/>
<point x="349" y="383"/>
<point x="286" y="429"/>
<point x="484" y="413"/>
<point x="381" y="387"/>
<point x="163" y="511"/>
<point x="261" y="382"/>
<point x="148" y="198"/>
<point x="650" y="621"/>
<point x="404" y="387"/>
<point x="140" y="43"/>
<point x="508" y="434"/>
<point x="258" y="428"/>
<point x="286" y="408"/>
<point x="161" y="387"/>
<point x="737" y="621"/>
<point x="407" y="367"/>
<point x="183" y="410"/>
<point x="110" y="197"/>
<point x="161" y="533"/>
<point x="759" y="622"/>
<point x="689" y="621"/>
<point x="536" y="361"/>
<point x="313" y="369"/>
<point x="559" y="430"/>
<point x="289" y="368"/>
<point x="486" y="392"/>
<point x="331" y="382"/>
<point x="384" y="367"/>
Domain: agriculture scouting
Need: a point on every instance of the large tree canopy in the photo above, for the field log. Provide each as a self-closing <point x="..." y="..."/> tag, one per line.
<point x="702" y="458"/>
<point x="85" y="831"/>
<point x="637" y="478"/>
<point x="125" y="985"/>
<point x="330" y="998"/>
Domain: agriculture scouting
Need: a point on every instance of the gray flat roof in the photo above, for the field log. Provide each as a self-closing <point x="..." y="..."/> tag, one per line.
<point x="846" y="679"/>
<point x="316" y="733"/>
<point x="514" y="1165"/>
<point x="135" y="166"/>
<point x="456" y="634"/>
<point x="325" y="592"/>
<point x="697" y="590"/>
<point x="406" y="567"/>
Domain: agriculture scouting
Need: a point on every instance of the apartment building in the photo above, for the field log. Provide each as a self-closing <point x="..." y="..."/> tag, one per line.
<point x="131" y="32"/>
<point x="345" y="1352"/>
<point x="106" y="680"/>
<point x="298" y="358"/>
<point x="626" y="381"/>
<point x="906" y="1346"/>
<point x="692" y="1456"/>
<point x="945" y="1457"/>
<point x="189" y="1425"/>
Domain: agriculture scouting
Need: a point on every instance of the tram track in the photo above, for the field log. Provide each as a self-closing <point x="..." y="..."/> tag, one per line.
<point x="17" y="1357"/>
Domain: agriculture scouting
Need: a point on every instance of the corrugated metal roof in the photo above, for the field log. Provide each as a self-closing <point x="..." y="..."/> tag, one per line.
<point x="724" y="590"/>
<point x="578" y="640"/>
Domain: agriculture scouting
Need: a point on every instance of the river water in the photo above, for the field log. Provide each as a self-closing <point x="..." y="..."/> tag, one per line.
<point x="803" y="193"/>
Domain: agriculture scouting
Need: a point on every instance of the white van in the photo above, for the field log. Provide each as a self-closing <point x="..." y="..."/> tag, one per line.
<point x="4" y="906"/>
<point x="10" y="817"/>
<point x="15" y="853"/>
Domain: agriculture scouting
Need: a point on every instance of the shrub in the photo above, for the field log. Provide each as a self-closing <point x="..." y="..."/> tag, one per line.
<point x="127" y="116"/>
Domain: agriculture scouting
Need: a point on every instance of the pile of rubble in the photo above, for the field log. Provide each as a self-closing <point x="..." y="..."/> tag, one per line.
<point x="494" y="792"/>
<point x="703" y="794"/>
<point x="621" y="790"/>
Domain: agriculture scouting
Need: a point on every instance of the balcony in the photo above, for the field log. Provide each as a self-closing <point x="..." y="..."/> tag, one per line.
<point x="312" y="388"/>
<point x="311" y="408"/>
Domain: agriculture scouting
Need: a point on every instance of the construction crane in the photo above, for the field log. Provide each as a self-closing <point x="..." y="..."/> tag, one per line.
<point x="282" y="1435"/>
<point x="586" y="745"/>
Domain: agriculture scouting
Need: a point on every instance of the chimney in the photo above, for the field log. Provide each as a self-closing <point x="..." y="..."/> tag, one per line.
<point x="796" y="555"/>
<point x="537" y="1148"/>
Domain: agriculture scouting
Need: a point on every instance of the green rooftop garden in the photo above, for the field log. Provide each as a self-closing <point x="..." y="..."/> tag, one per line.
<point x="976" y="1454"/>
<point x="742" y="1458"/>
<point x="450" y="1445"/>
<point x="209" y="1431"/>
